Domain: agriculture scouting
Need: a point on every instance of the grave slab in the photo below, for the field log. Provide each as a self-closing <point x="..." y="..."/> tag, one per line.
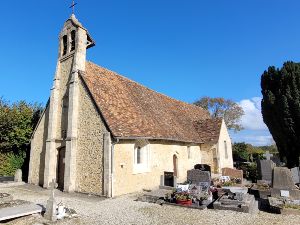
<point x="19" y="211"/>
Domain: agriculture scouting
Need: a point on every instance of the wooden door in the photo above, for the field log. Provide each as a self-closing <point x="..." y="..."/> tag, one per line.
<point x="61" y="168"/>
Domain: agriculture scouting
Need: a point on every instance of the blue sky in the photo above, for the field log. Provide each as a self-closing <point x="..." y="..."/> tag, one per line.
<point x="184" y="49"/>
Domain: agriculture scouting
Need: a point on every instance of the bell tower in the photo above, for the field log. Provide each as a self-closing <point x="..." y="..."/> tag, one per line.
<point x="74" y="40"/>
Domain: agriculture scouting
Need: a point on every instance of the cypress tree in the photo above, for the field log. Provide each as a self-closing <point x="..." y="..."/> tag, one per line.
<point x="281" y="109"/>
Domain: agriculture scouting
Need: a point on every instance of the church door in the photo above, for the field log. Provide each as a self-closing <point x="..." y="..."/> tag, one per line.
<point x="61" y="167"/>
<point x="175" y="165"/>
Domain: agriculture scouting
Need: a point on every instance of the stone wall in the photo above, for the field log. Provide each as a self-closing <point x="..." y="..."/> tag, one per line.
<point x="89" y="159"/>
<point x="37" y="152"/>
<point x="62" y="114"/>
<point x="208" y="152"/>
<point x="224" y="136"/>
<point x="161" y="159"/>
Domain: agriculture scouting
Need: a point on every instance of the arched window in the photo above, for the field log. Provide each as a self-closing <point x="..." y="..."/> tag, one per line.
<point x="141" y="156"/>
<point x="138" y="155"/>
<point x="65" y="45"/>
<point x="73" y="38"/>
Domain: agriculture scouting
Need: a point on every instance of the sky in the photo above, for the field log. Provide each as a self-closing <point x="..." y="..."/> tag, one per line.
<point x="184" y="49"/>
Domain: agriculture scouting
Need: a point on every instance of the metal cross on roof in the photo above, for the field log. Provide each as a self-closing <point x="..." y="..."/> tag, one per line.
<point x="73" y="6"/>
<point x="268" y="155"/>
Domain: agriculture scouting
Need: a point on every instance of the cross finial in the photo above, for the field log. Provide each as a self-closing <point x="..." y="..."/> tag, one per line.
<point x="73" y="6"/>
<point x="268" y="155"/>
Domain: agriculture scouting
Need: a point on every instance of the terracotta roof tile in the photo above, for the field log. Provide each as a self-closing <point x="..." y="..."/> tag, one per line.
<point x="209" y="129"/>
<point x="132" y="110"/>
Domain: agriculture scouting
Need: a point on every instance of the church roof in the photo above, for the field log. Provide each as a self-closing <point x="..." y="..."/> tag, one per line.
<point x="132" y="110"/>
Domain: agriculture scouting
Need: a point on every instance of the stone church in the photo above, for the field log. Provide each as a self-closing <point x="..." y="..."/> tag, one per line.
<point x="104" y="134"/>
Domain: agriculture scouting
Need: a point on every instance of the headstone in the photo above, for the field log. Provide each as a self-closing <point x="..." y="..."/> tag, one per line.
<point x="197" y="176"/>
<point x="169" y="179"/>
<point x="276" y="160"/>
<point x="282" y="178"/>
<point x="267" y="155"/>
<point x="51" y="213"/>
<point x="295" y="175"/>
<point x="202" y="167"/>
<point x="233" y="173"/>
<point x="283" y="183"/>
<point x="265" y="170"/>
<point x="18" y="176"/>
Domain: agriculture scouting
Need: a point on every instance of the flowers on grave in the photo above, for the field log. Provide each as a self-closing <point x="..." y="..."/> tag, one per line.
<point x="183" y="196"/>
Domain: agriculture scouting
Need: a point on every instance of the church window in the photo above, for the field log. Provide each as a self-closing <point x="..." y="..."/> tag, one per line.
<point x="65" y="44"/>
<point x="189" y="152"/>
<point x="225" y="147"/>
<point x="73" y="36"/>
<point x="138" y="155"/>
<point x="141" y="163"/>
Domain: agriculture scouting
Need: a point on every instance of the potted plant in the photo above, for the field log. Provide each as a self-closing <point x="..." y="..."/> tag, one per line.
<point x="183" y="198"/>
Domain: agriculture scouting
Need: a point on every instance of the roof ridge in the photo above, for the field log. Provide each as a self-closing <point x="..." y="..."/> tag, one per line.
<point x="126" y="78"/>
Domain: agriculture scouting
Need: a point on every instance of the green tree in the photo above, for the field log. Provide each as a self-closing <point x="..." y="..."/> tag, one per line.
<point x="281" y="109"/>
<point x="17" y="122"/>
<point x="227" y="109"/>
<point x="240" y="151"/>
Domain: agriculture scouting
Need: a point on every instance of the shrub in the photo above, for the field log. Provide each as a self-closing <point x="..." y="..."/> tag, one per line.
<point x="10" y="162"/>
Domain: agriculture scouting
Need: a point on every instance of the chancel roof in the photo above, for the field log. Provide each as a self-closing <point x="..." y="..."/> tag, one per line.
<point x="133" y="111"/>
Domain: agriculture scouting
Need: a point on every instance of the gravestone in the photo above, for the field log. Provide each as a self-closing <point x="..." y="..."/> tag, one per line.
<point x="283" y="184"/>
<point x="169" y="179"/>
<point x="18" y="176"/>
<point x="265" y="170"/>
<point x="202" y="167"/>
<point x="295" y="175"/>
<point x="267" y="155"/>
<point x="199" y="177"/>
<point x="233" y="173"/>
<point x="51" y="213"/>
<point x="282" y="178"/>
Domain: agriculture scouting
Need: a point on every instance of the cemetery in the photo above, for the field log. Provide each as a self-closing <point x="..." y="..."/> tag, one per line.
<point x="277" y="192"/>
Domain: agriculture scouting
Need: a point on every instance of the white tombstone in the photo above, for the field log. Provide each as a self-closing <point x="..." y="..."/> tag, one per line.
<point x="18" y="176"/>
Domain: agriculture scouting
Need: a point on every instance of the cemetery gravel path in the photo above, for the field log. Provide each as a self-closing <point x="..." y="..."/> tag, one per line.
<point x="124" y="210"/>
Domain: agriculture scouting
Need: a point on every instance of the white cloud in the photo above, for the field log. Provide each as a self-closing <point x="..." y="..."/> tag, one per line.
<point x="254" y="137"/>
<point x="252" y="119"/>
<point x="255" y="131"/>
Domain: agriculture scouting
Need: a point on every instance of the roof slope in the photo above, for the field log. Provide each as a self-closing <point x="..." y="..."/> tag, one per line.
<point x="209" y="129"/>
<point x="132" y="110"/>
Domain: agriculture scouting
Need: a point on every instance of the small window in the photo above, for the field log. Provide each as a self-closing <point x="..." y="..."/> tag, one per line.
<point x="141" y="157"/>
<point x="65" y="44"/>
<point x="189" y="152"/>
<point x="225" y="147"/>
<point x="138" y="155"/>
<point x="73" y="36"/>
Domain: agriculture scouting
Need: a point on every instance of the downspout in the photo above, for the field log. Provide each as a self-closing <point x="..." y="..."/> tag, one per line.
<point x="112" y="167"/>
